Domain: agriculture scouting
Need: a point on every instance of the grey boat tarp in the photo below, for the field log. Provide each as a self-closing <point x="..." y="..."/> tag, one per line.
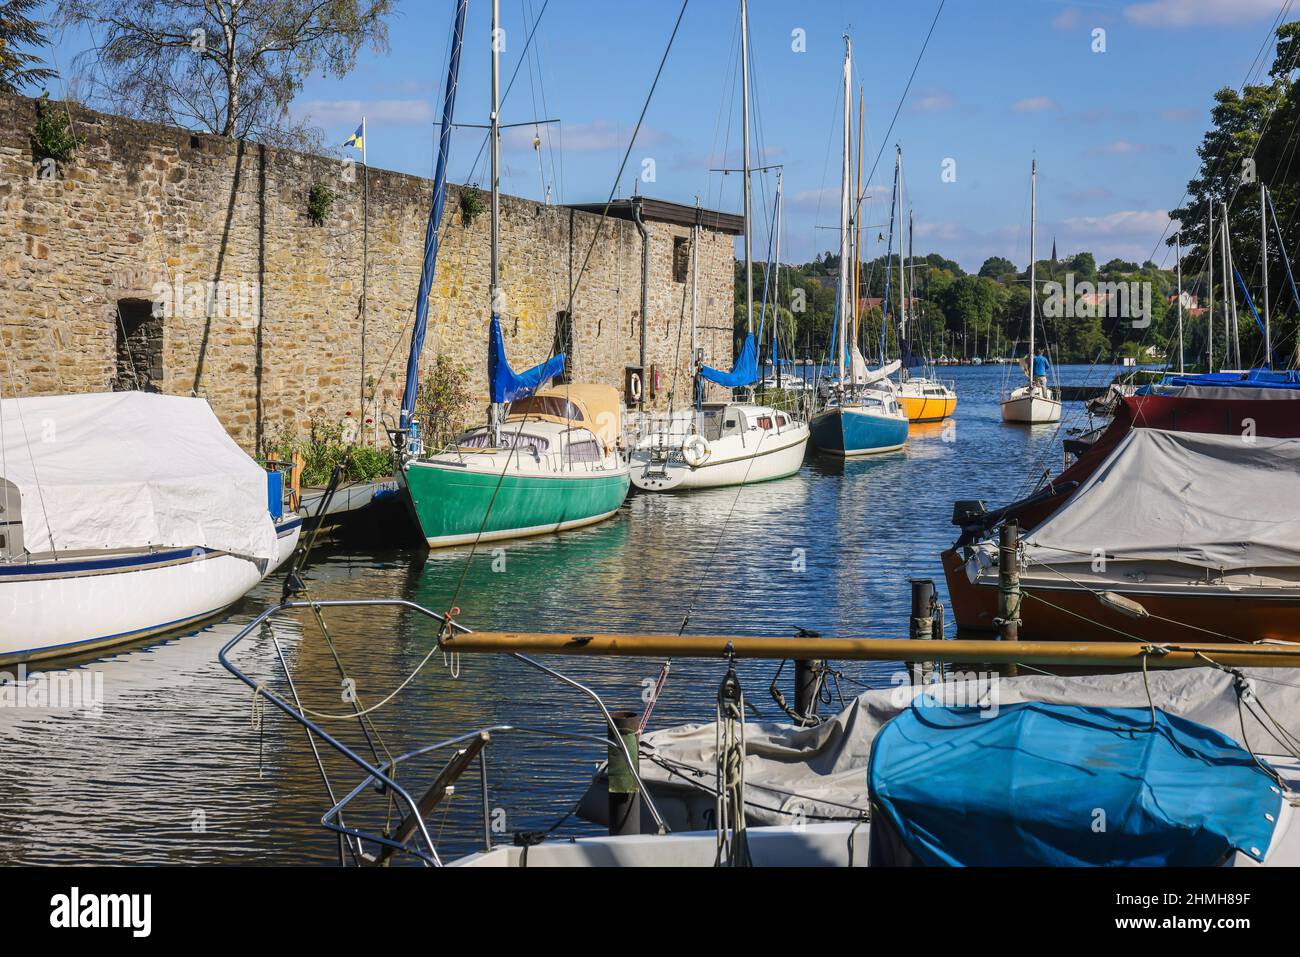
<point x="797" y="774"/>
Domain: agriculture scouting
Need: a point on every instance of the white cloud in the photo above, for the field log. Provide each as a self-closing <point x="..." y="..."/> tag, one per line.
<point x="1067" y="19"/>
<point x="586" y="137"/>
<point x="1127" y="223"/>
<point x="827" y="200"/>
<point x="1126" y="148"/>
<point x="1034" y="104"/>
<point x="348" y="113"/>
<point x="934" y="101"/>
<point x="1187" y="13"/>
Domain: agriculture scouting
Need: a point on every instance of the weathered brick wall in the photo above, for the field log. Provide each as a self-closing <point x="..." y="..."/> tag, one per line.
<point x="143" y="208"/>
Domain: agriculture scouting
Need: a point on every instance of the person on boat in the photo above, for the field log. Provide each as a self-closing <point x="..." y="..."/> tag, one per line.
<point x="1041" y="368"/>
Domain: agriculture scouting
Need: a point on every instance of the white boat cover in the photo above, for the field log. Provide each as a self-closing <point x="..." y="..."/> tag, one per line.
<point x="812" y="774"/>
<point x="1216" y="501"/>
<point x="129" y="470"/>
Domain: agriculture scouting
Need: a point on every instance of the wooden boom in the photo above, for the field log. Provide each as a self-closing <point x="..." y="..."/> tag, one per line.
<point x="1102" y="653"/>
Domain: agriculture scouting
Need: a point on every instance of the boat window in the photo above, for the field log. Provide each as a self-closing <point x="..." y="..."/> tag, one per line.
<point x="586" y="451"/>
<point x="11" y="522"/>
<point x="781" y="420"/>
<point x="482" y="439"/>
<point x="764" y="421"/>
<point x="552" y="405"/>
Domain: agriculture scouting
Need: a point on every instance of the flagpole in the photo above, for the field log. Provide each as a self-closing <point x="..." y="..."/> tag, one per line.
<point x="365" y="260"/>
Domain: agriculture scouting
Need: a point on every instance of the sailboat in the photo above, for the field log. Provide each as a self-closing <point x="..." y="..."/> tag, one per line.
<point x="548" y="459"/>
<point x="862" y="415"/>
<point x="144" y="517"/>
<point x="720" y="444"/>
<point x="1032" y="404"/>
<point x="923" y="398"/>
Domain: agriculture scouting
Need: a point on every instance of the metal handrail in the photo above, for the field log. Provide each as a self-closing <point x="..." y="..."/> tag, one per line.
<point x="380" y="773"/>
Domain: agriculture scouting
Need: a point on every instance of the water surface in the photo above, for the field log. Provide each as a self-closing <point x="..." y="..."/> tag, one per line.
<point x="173" y="770"/>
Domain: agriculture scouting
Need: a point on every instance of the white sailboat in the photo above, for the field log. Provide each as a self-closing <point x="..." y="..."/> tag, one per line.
<point x="719" y="444"/>
<point x="1032" y="404"/>
<point x="123" y="515"/>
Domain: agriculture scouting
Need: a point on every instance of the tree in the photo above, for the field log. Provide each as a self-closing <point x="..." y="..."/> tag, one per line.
<point x="229" y="67"/>
<point x="19" y="70"/>
<point x="1251" y="141"/>
<point x="995" y="267"/>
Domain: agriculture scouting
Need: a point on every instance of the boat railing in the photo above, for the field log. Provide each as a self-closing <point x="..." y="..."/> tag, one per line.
<point x="416" y="839"/>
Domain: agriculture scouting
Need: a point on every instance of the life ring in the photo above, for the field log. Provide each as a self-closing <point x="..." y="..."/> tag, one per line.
<point x="695" y="451"/>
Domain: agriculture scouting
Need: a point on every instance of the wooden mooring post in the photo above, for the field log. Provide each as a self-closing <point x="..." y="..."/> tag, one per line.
<point x="1009" y="596"/>
<point x="921" y="625"/>
<point x="624" y="791"/>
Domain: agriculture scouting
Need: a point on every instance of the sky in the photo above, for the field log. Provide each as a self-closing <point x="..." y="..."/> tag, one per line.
<point x="1001" y="83"/>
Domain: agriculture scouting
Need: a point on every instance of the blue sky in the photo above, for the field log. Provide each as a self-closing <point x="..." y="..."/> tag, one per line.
<point x="1002" y="81"/>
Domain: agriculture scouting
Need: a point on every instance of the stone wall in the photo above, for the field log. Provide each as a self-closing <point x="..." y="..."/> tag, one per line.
<point x="262" y="307"/>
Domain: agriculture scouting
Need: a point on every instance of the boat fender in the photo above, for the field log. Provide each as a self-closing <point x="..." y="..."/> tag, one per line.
<point x="696" y="451"/>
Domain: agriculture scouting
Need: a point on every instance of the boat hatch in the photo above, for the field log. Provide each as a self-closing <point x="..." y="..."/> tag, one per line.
<point x="11" y="521"/>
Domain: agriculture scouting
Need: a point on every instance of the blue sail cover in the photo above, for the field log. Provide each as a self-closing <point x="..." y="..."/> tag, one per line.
<point x="505" y="384"/>
<point x="1251" y="378"/>
<point x="743" y="372"/>
<point x="431" y="231"/>
<point x="1043" y="784"/>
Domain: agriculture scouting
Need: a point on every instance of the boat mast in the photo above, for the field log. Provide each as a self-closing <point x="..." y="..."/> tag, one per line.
<point x="857" y="227"/>
<point x="1178" y="256"/>
<point x="695" y="289"/>
<point x="846" y="186"/>
<point x="902" y="258"/>
<point x="744" y="123"/>
<point x="1209" y="231"/>
<point x="1229" y="314"/>
<point x="1263" y="265"/>
<point x="1033" y="240"/>
<point x="494" y="134"/>
<point x="776" y="288"/>
<point x="911" y="283"/>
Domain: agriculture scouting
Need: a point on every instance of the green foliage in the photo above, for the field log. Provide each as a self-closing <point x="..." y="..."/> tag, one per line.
<point x="230" y="68"/>
<point x="19" y="69"/>
<point x="325" y="446"/>
<point x="1255" y="126"/>
<point x="319" y="200"/>
<point x="995" y="267"/>
<point x="53" y="138"/>
<point x="471" y="205"/>
<point x="444" y="401"/>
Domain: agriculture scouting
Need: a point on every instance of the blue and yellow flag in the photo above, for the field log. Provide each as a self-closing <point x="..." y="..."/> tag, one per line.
<point x="357" y="139"/>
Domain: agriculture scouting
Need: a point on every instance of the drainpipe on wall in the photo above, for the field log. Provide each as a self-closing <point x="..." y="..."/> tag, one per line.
<point x="645" y="287"/>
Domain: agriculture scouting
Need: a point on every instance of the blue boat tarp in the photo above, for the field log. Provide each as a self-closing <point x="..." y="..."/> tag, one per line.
<point x="1049" y="785"/>
<point x="744" y="371"/>
<point x="505" y="384"/>
<point x="1251" y="378"/>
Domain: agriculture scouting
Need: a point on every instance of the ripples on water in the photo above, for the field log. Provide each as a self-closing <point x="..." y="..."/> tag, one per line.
<point x="174" y="772"/>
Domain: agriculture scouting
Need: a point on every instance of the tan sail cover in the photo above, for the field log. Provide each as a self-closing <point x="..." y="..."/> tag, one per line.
<point x="129" y="470"/>
<point x="582" y="404"/>
<point x="1227" y="502"/>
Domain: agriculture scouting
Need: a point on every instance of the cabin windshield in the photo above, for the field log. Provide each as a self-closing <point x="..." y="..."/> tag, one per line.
<point x="482" y="439"/>
<point x="552" y="405"/>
